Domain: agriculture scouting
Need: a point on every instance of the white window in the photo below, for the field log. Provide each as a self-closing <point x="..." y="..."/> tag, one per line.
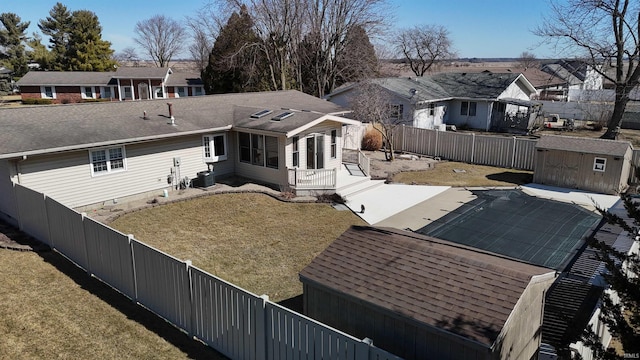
<point x="127" y="93"/>
<point x="431" y="109"/>
<point x="198" y="91"/>
<point x="88" y="92"/>
<point x="396" y="111"/>
<point x="260" y="150"/>
<point x="334" y="144"/>
<point x="106" y="92"/>
<point x="181" y="91"/>
<point x="214" y="147"/>
<point x="158" y="92"/>
<point x="296" y="152"/>
<point x="104" y="161"/>
<point x="599" y="164"/>
<point x="48" y="92"/>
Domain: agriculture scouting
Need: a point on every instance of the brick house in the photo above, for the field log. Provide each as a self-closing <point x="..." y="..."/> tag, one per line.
<point x="126" y="83"/>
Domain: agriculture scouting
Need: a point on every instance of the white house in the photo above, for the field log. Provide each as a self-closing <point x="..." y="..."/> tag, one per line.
<point x="484" y="101"/>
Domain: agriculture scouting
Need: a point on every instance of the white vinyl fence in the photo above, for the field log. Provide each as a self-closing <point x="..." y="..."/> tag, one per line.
<point x="507" y="151"/>
<point x="231" y="320"/>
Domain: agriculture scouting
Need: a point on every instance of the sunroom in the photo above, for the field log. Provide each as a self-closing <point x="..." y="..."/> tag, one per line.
<point x="296" y="150"/>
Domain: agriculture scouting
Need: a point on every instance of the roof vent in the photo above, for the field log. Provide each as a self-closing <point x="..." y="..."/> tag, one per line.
<point x="413" y="91"/>
<point x="261" y="113"/>
<point x="282" y="116"/>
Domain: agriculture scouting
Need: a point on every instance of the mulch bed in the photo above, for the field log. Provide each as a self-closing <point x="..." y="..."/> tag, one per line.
<point x="14" y="239"/>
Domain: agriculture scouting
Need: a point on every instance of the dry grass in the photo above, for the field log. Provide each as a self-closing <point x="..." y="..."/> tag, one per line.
<point x="462" y="174"/>
<point x="632" y="136"/>
<point x="251" y="240"/>
<point x="51" y="309"/>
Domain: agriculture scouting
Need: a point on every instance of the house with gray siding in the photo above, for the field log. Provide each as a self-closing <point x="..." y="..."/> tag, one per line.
<point x="484" y="101"/>
<point x="420" y="297"/>
<point x="92" y="153"/>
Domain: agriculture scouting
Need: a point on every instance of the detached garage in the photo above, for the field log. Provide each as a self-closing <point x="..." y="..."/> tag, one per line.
<point x="596" y="165"/>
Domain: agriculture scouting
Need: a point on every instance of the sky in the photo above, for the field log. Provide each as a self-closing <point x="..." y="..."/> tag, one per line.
<point x="478" y="28"/>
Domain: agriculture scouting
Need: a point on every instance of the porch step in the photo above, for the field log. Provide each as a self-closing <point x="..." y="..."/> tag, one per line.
<point x="358" y="187"/>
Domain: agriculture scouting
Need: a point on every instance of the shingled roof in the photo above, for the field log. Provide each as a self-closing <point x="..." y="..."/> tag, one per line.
<point x="49" y="128"/>
<point x="433" y="281"/>
<point x="583" y="145"/>
<point x="68" y="78"/>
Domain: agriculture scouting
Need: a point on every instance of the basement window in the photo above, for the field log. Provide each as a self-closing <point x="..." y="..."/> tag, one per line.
<point x="105" y="161"/>
<point x="599" y="164"/>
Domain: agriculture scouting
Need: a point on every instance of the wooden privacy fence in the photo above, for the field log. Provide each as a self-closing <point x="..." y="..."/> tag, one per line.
<point x="507" y="152"/>
<point x="231" y="320"/>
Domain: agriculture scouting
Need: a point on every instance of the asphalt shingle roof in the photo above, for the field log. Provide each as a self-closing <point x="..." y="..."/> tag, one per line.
<point x="583" y="145"/>
<point x="44" y="128"/>
<point x="60" y="78"/>
<point x="475" y="85"/>
<point x="432" y="281"/>
<point x="141" y="72"/>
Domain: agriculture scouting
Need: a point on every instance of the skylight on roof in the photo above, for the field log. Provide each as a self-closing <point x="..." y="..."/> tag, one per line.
<point x="282" y="116"/>
<point x="261" y="113"/>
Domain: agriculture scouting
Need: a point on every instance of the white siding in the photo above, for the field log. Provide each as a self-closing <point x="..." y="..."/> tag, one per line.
<point x="67" y="178"/>
<point x="479" y="121"/>
<point x="262" y="173"/>
<point x="514" y="91"/>
<point x="325" y="129"/>
<point x="8" y="209"/>
<point x="422" y="119"/>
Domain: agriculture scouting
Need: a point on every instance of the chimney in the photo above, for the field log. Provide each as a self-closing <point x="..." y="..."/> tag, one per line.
<point x="173" y="119"/>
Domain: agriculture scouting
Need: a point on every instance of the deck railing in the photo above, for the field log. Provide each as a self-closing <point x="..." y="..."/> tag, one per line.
<point x="357" y="157"/>
<point x="313" y="178"/>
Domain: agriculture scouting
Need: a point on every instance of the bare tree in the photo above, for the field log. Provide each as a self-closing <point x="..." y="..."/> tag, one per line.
<point x="604" y="34"/>
<point x="161" y="37"/>
<point x="424" y="45"/>
<point x="127" y="56"/>
<point x="527" y="60"/>
<point x="205" y="28"/>
<point x="375" y="105"/>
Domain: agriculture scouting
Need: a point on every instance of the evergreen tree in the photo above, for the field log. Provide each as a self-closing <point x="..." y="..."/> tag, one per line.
<point x="86" y="51"/>
<point x="12" y="38"/>
<point x="57" y="26"/>
<point x="235" y="63"/>
<point x="358" y="61"/>
<point x="39" y="53"/>
<point x="620" y="312"/>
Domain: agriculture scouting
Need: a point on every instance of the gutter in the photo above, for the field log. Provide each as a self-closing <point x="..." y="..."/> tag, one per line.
<point x="23" y="154"/>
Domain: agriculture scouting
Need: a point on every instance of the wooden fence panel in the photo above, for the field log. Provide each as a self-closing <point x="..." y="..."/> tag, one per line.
<point x="292" y="336"/>
<point x="67" y="232"/>
<point x="162" y="284"/>
<point x="226" y="317"/>
<point x="33" y="213"/>
<point x="110" y="257"/>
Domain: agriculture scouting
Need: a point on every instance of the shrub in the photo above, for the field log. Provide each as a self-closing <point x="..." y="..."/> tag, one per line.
<point x="597" y="126"/>
<point x="372" y="140"/>
<point x="37" y="101"/>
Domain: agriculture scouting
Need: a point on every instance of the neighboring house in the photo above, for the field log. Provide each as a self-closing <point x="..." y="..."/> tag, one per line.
<point x="484" y="101"/>
<point x="424" y="298"/>
<point x="126" y="83"/>
<point x="84" y="154"/>
<point x="597" y="165"/>
<point x="580" y="79"/>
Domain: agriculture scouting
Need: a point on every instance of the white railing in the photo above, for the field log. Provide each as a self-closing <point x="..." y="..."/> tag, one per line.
<point x="364" y="162"/>
<point x="313" y="178"/>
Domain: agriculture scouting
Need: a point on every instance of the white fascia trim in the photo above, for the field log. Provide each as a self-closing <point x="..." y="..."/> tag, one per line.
<point x="320" y="120"/>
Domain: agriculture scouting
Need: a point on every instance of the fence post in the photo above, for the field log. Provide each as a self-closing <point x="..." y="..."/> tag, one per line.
<point x="133" y="268"/>
<point x="473" y="147"/>
<point x="403" y="129"/>
<point x="84" y="238"/>
<point x="513" y="157"/>
<point x="262" y="332"/>
<point x="192" y="306"/>
<point x="435" y="148"/>
<point x="362" y="349"/>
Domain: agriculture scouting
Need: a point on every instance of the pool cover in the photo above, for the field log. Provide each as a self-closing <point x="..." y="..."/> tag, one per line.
<point x="509" y="222"/>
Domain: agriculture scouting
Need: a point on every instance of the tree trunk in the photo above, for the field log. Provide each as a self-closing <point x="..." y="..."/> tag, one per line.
<point x="613" y="125"/>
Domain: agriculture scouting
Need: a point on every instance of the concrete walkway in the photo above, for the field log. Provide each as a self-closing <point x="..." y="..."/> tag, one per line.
<point x="385" y="200"/>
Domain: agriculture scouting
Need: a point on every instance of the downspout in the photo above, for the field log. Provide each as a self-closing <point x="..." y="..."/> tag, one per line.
<point x="18" y="172"/>
<point x="119" y="91"/>
<point x="152" y="94"/>
<point x="133" y="90"/>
